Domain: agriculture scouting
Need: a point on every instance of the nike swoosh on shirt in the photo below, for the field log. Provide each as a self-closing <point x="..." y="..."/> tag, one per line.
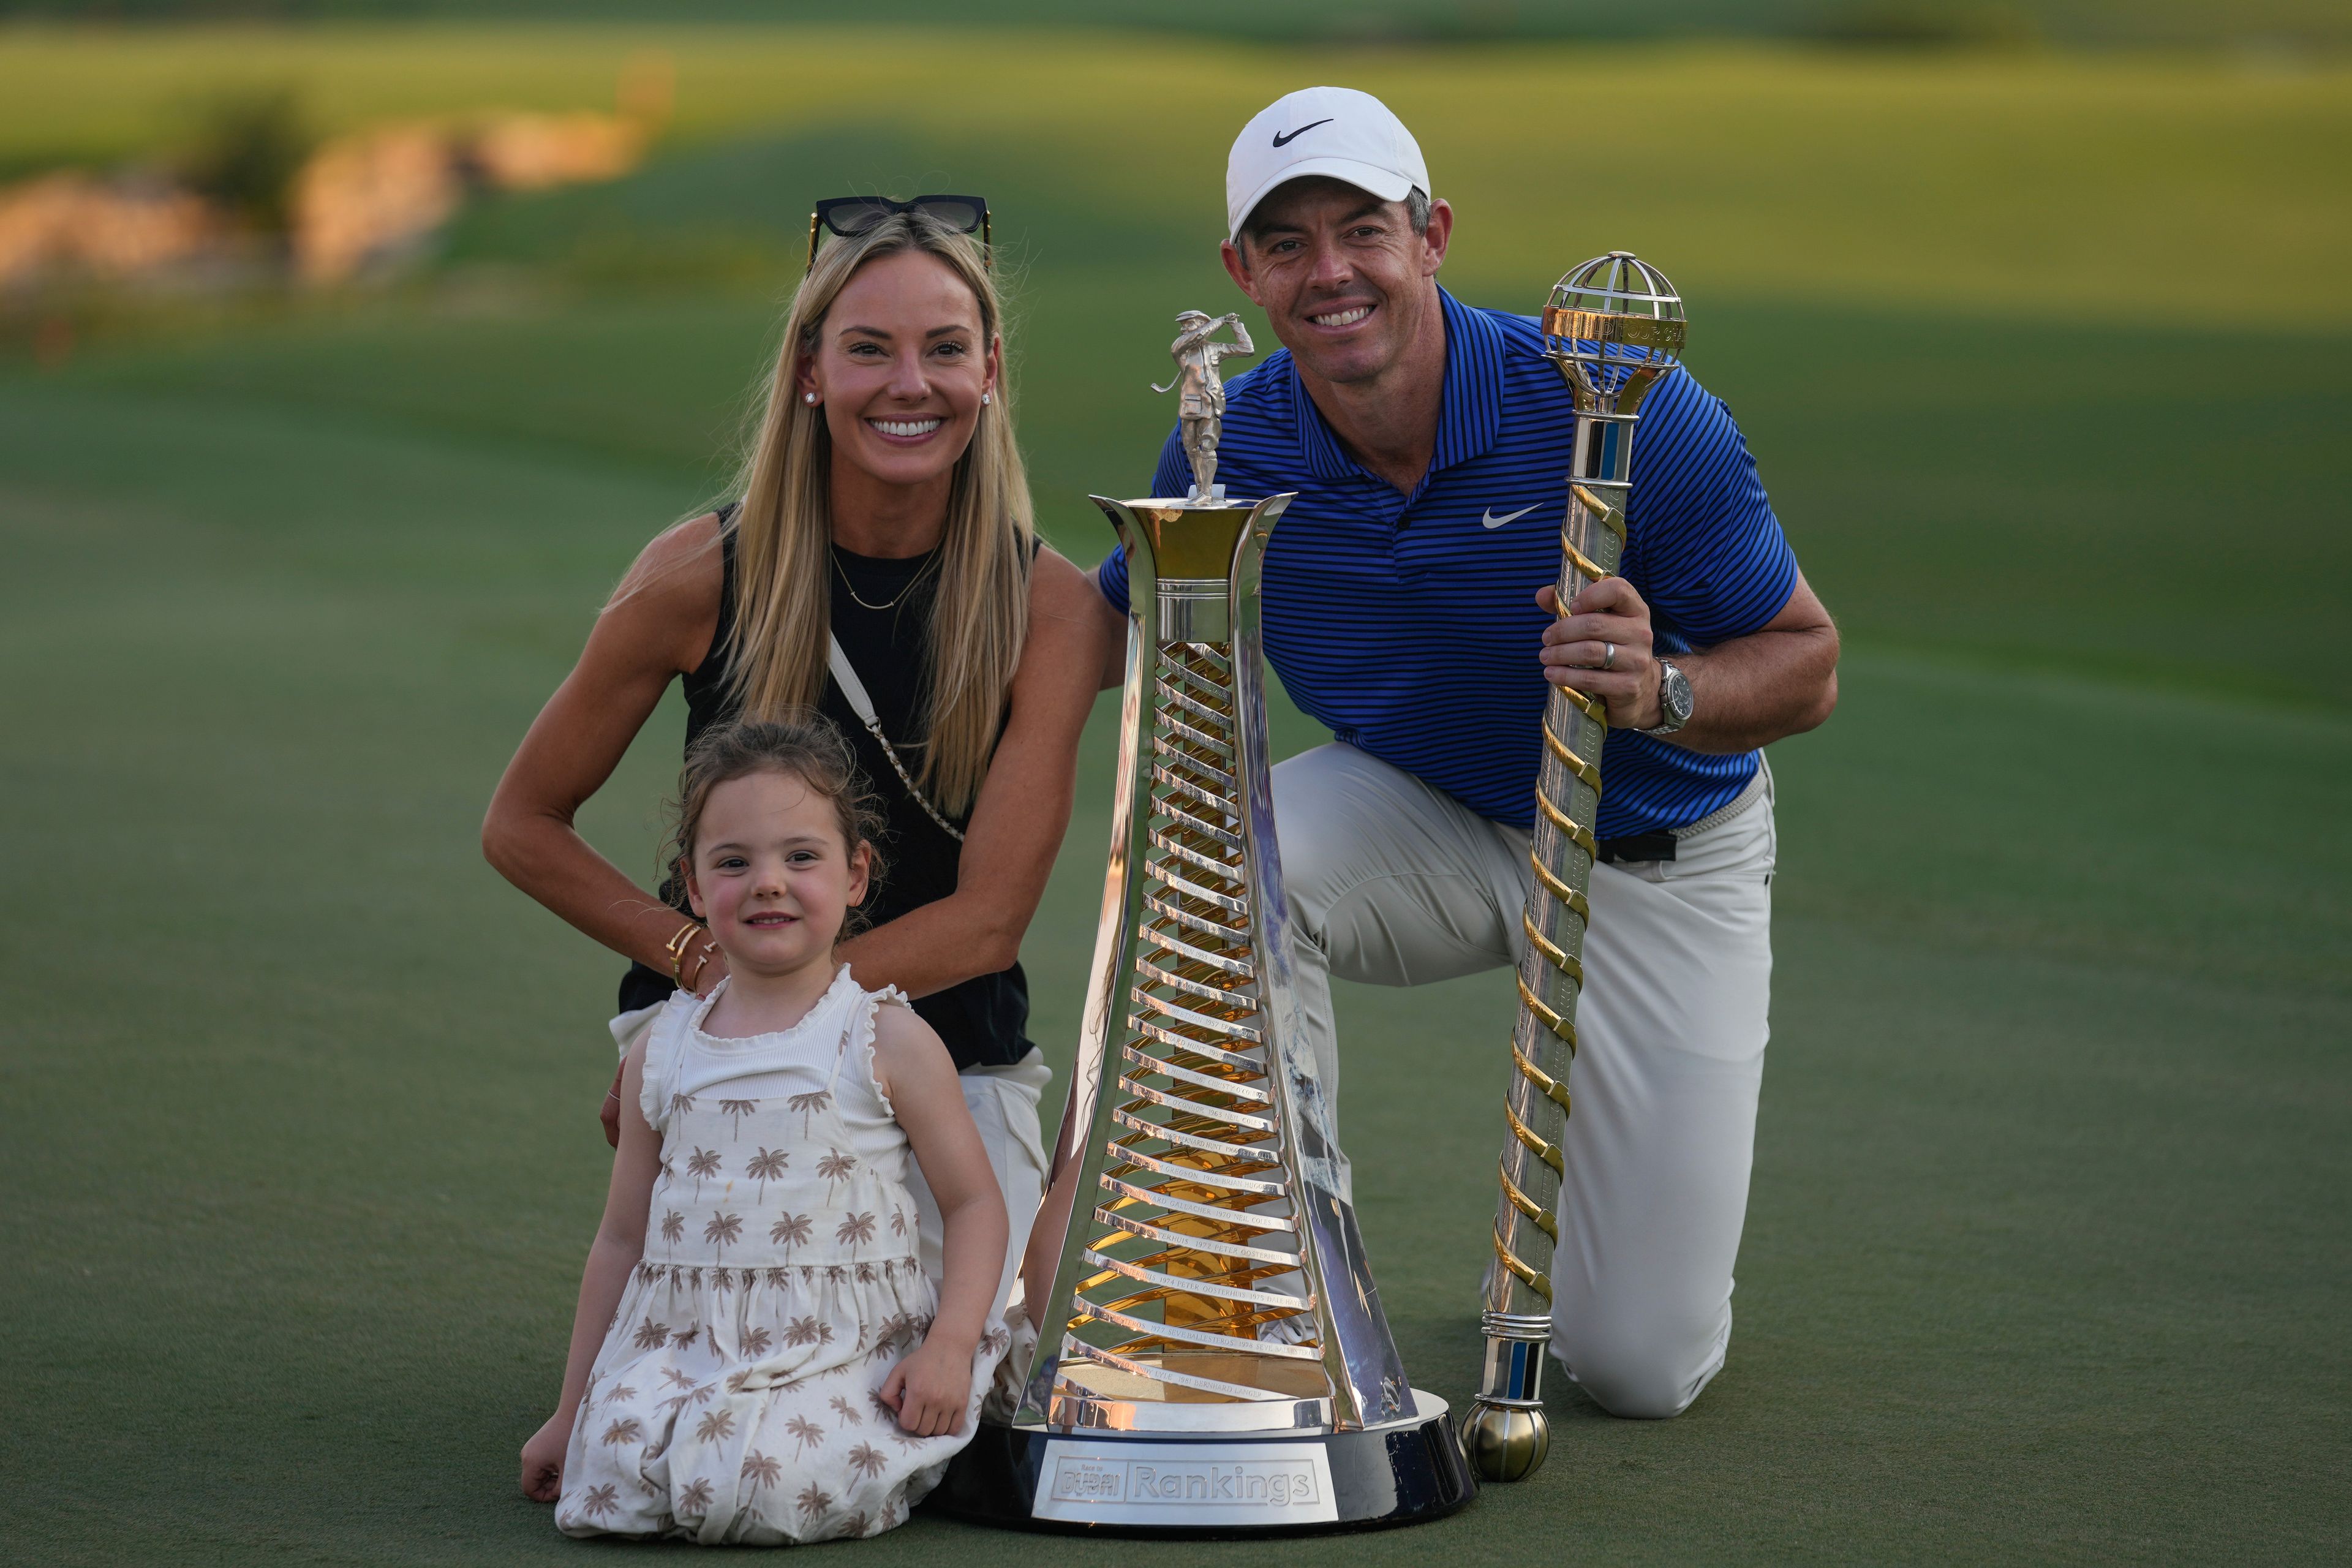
<point x="1491" y="521"/>
<point x="1282" y="138"/>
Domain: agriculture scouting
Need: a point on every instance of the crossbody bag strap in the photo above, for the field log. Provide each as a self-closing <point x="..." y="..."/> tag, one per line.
<point x="845" y="676"/>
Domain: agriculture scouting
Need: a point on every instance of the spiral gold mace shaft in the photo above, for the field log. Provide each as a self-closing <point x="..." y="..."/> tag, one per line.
<point x="1613" y="328"/>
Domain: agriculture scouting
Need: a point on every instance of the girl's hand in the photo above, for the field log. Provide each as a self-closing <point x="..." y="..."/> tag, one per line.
<point x="929" y="1390"/>
<point x="543" y="1459"/>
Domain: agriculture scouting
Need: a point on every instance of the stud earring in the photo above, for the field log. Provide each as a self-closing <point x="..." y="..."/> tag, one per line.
<point x="984" y="397"/>
<point x="809" y="398"/>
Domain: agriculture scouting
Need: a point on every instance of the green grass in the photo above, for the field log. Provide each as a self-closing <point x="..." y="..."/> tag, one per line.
<point x="2041" y="1260"/>
<point x="2158" y="189"/>
<point x="1941" y="499"/>
<point x="2046" y="1254"/>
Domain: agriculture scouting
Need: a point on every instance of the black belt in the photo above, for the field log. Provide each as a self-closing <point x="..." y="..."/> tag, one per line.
<point x="1659" y="846"/>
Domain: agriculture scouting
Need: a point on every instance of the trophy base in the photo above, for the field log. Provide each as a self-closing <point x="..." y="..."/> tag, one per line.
<point x="1160" y="1483"/>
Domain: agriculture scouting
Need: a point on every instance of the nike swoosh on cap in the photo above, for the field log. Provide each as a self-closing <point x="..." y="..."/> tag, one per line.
<point x="1491" y="521"/>
<point x="1283" y="138"/>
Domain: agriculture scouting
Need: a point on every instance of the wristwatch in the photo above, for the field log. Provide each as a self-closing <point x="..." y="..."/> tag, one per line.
<point x="1673" y="700"/>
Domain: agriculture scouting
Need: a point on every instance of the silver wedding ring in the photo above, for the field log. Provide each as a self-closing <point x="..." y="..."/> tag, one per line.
<point x="1609" y="656"/>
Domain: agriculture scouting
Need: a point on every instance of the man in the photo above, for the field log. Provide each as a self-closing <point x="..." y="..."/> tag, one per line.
<point x="1407" y="608"/>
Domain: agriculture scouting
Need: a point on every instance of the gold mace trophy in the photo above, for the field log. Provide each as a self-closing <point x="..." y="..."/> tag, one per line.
<point x="1211" y="1356"/>
<point x="1615" y="326"/>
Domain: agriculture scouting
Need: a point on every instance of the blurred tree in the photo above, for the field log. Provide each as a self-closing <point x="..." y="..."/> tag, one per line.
<point x="242" y="152"/>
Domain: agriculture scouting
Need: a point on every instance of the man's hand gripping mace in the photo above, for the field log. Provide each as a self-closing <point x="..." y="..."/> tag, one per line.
<point x="1613" y="328"/>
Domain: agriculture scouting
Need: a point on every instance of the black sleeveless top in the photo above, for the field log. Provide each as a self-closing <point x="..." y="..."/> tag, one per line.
<point x="983" y="1020"/>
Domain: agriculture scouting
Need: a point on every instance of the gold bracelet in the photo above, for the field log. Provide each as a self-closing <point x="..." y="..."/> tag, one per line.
<point x="701" y="963"/>
<point x="675" y="947"/>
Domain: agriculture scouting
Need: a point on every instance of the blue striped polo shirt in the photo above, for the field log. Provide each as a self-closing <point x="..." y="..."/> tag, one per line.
<point x="1407" y="624"/>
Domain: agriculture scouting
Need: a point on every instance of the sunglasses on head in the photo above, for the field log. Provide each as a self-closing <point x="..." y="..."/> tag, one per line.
<point x="850" y="216"/>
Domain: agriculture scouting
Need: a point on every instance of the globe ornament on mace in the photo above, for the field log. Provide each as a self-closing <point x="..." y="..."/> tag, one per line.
<point x="1615" y="326"/>
<point x="1212" y="1354"/>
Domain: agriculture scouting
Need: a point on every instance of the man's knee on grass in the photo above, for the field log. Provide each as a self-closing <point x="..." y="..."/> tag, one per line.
<point x="1639" y="1372"/>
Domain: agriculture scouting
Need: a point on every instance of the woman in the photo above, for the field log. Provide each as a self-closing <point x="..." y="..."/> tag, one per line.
<point x="885" y="530"/>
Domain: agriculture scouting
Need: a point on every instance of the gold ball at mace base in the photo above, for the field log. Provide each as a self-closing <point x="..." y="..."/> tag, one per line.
<point x="1505" y="1442"/>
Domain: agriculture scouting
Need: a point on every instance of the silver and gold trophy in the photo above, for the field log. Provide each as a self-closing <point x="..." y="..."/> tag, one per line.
<point x="1615" y="326"/>
<point x="1211" y="1353"/>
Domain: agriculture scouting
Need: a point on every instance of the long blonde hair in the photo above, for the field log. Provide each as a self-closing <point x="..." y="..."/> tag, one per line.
<point x="784" y="529"/>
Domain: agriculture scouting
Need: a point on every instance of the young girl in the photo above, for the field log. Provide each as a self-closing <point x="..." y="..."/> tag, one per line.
<point x="757" y="1356"/>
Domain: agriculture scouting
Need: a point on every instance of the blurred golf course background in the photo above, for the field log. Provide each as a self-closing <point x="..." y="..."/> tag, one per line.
<point x="2046" y="355"/>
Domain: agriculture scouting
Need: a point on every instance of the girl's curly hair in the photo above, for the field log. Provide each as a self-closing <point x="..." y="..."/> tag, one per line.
<point x="804" y="744"/>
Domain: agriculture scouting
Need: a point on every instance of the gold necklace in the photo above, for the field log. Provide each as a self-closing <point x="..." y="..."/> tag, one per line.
<point x="834" y="555"/>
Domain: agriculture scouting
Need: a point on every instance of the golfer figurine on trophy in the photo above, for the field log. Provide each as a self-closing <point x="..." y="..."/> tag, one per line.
<point x="1200" y="390"/>
<point x="1212" y="1353"/>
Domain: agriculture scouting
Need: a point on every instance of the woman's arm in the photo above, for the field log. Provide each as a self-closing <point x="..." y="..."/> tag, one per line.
<point x="659" y="624"/>
<point x="930" y="1388"/>
<point x="1023" y="806"/>
<point x="620" y="1244"/>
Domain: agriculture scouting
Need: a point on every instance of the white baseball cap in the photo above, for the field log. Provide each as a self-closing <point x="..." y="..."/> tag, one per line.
<point x="1331" y="131"/>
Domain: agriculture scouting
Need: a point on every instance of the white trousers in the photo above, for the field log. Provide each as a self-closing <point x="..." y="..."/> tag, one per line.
<point x="1393" y="883"/>
<point x="1003" y="1105"/>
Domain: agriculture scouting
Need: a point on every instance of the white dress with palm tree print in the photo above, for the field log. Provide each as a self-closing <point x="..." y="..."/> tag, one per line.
<point x="734" y="1400"/>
